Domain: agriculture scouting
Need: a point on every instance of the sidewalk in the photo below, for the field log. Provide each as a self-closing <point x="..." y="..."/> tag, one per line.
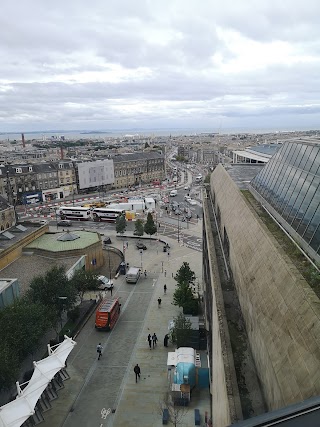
<point x="137" y="404"/>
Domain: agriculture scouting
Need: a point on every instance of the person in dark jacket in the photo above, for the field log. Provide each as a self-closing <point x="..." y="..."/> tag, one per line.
<point x="149" y="340"/>
<point x="165" y="340"/>
<point x="137" y="371"/>
<point x="154" y="340"/>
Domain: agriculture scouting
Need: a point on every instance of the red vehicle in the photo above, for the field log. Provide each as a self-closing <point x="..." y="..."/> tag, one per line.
<point x="107" y="314"/>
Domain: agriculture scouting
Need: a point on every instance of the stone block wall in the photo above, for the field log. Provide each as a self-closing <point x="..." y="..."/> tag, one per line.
<point x="281" y="312"/>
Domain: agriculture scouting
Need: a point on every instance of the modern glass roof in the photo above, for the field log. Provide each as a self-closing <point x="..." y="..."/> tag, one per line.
<point x="290" y="185"/>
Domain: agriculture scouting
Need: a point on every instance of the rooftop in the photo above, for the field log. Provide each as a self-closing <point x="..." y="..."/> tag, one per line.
<point x="242" y="174"/>
<point x="27" y="267"/>
<point x="49" y="242"/>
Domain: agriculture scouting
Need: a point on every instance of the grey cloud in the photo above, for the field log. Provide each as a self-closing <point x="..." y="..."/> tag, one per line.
<point x="44" y="45"/>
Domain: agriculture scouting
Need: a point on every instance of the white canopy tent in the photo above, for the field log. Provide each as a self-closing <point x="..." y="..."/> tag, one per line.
<point x="15" y="413"/>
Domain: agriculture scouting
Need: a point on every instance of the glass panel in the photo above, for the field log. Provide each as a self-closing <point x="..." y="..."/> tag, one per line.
<point x="316" y="163"/>
<point x="303" y="156"/>
<point x="296" y="154"/>
<point x="294" y="195"/>
<point x="304" y="184"/>
<point x="288" y="189"/>
<point x="310" y="158"/>
<point x="306" y="204"/>
<point x="315" y="221"/>
<point x="315" y="242"/>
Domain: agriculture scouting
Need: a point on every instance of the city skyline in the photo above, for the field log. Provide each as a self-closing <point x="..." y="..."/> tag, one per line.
<point x="142" y="65"/>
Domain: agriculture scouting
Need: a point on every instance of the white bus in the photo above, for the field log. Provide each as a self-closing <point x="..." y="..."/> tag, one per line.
<point x="78" y="213"/>
<point x="106" y="214"/>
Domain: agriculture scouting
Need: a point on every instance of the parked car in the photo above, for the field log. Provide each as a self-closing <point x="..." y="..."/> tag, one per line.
<point x="187" y="187"/>
<point x="140" y="245"/>
<point x="107" y="241"/>
<point x="42" y="222"/>
<point x="104" y="283"/>
<point x="192" y="202"/>
<point x="64" y="223"/>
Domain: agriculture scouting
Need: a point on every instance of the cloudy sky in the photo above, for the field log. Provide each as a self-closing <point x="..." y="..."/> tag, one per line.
<point x="124" y="64"/>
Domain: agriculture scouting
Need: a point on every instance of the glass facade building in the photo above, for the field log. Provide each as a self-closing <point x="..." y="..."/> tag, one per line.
<point x="289" y="185"/>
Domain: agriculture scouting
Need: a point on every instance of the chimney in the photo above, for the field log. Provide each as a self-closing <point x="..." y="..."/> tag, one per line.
<point x="23" y="141"/>
<point x="61" y="153"/>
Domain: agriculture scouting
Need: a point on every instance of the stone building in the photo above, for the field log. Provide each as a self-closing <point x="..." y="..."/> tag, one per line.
<point x="262" y="313"/>
<point x="138" y="168"/>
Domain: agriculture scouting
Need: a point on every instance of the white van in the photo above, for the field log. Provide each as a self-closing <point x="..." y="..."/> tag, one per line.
<point x="133" y="275"/>
<point x="173" y="193"/>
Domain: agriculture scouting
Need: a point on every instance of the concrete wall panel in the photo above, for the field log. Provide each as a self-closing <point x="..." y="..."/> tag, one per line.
<point x="281" y="312"/>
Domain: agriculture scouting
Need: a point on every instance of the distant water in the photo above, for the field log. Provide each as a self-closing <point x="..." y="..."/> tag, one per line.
<point x="76" y="134"/>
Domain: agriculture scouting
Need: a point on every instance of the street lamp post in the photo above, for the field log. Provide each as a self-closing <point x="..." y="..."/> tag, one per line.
<point x="109" y="264"/>
<point x="62" y="299"/>
<point x="178" y="225"/>
<point x="141" y="252"/>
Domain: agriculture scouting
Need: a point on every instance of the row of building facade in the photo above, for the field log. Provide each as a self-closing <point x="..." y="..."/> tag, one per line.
<point x="24" y="183"/>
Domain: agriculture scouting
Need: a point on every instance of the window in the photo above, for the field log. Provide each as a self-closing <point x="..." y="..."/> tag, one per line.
<point x="30" y="168"/>
<point x="18" y="170"/>
<point x="60" y="166"/>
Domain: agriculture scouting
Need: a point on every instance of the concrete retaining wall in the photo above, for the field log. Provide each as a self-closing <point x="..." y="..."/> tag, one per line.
<point x="226" y="406"/>
<point x="281" y="312"/>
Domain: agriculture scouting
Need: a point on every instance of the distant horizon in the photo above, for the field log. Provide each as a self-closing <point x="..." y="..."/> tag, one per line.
<point x="165" y="130"/>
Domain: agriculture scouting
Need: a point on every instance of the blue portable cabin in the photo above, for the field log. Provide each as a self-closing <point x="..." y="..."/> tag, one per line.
<point x="184" y="360"/>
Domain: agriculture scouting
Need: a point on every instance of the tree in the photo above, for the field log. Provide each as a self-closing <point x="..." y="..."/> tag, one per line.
<point x="22" y="325"/>
<point x="185" y="274"/>
<point x="182" y="295"/>
<point x="181" y="331"/>
<point x="138" y="228"/>
<point x="121" y="224"/>
<point x="84" y="281"/>
<point x="176" y="413"/>
<point x="9" y="367"/>
<point x="150" y="227"/>
<point x="207" y="179"/>
<point x="54" y="290"/>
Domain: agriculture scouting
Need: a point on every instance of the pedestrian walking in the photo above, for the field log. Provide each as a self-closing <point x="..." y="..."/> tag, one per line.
<point x="111" y="291"/>
<point x="165" y="289"/>
<point x="99" y="350"/>
<point x="159" y="302"/>
<point x="165" y="273"/>
<point x="149" y="340"/>
<point x="127" y="244"/>
<point x="154" y="340"/>
<point x="165" y="340"/>
<point x="145" y="274"/>
<point x="137" y="371"/>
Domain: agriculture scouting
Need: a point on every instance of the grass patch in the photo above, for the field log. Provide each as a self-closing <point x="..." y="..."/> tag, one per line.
<point x="310" y="274"/>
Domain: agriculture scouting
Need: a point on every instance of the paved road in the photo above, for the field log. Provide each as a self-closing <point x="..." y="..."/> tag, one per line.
<point x="103" y="379"/>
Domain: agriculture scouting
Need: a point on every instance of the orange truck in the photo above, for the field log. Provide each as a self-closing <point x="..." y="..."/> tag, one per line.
<point x="107" y="314"/>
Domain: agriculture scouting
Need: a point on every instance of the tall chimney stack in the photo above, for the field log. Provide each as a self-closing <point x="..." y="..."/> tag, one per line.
<point x="61" y="153"/>
<point x="23" y="141"/>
